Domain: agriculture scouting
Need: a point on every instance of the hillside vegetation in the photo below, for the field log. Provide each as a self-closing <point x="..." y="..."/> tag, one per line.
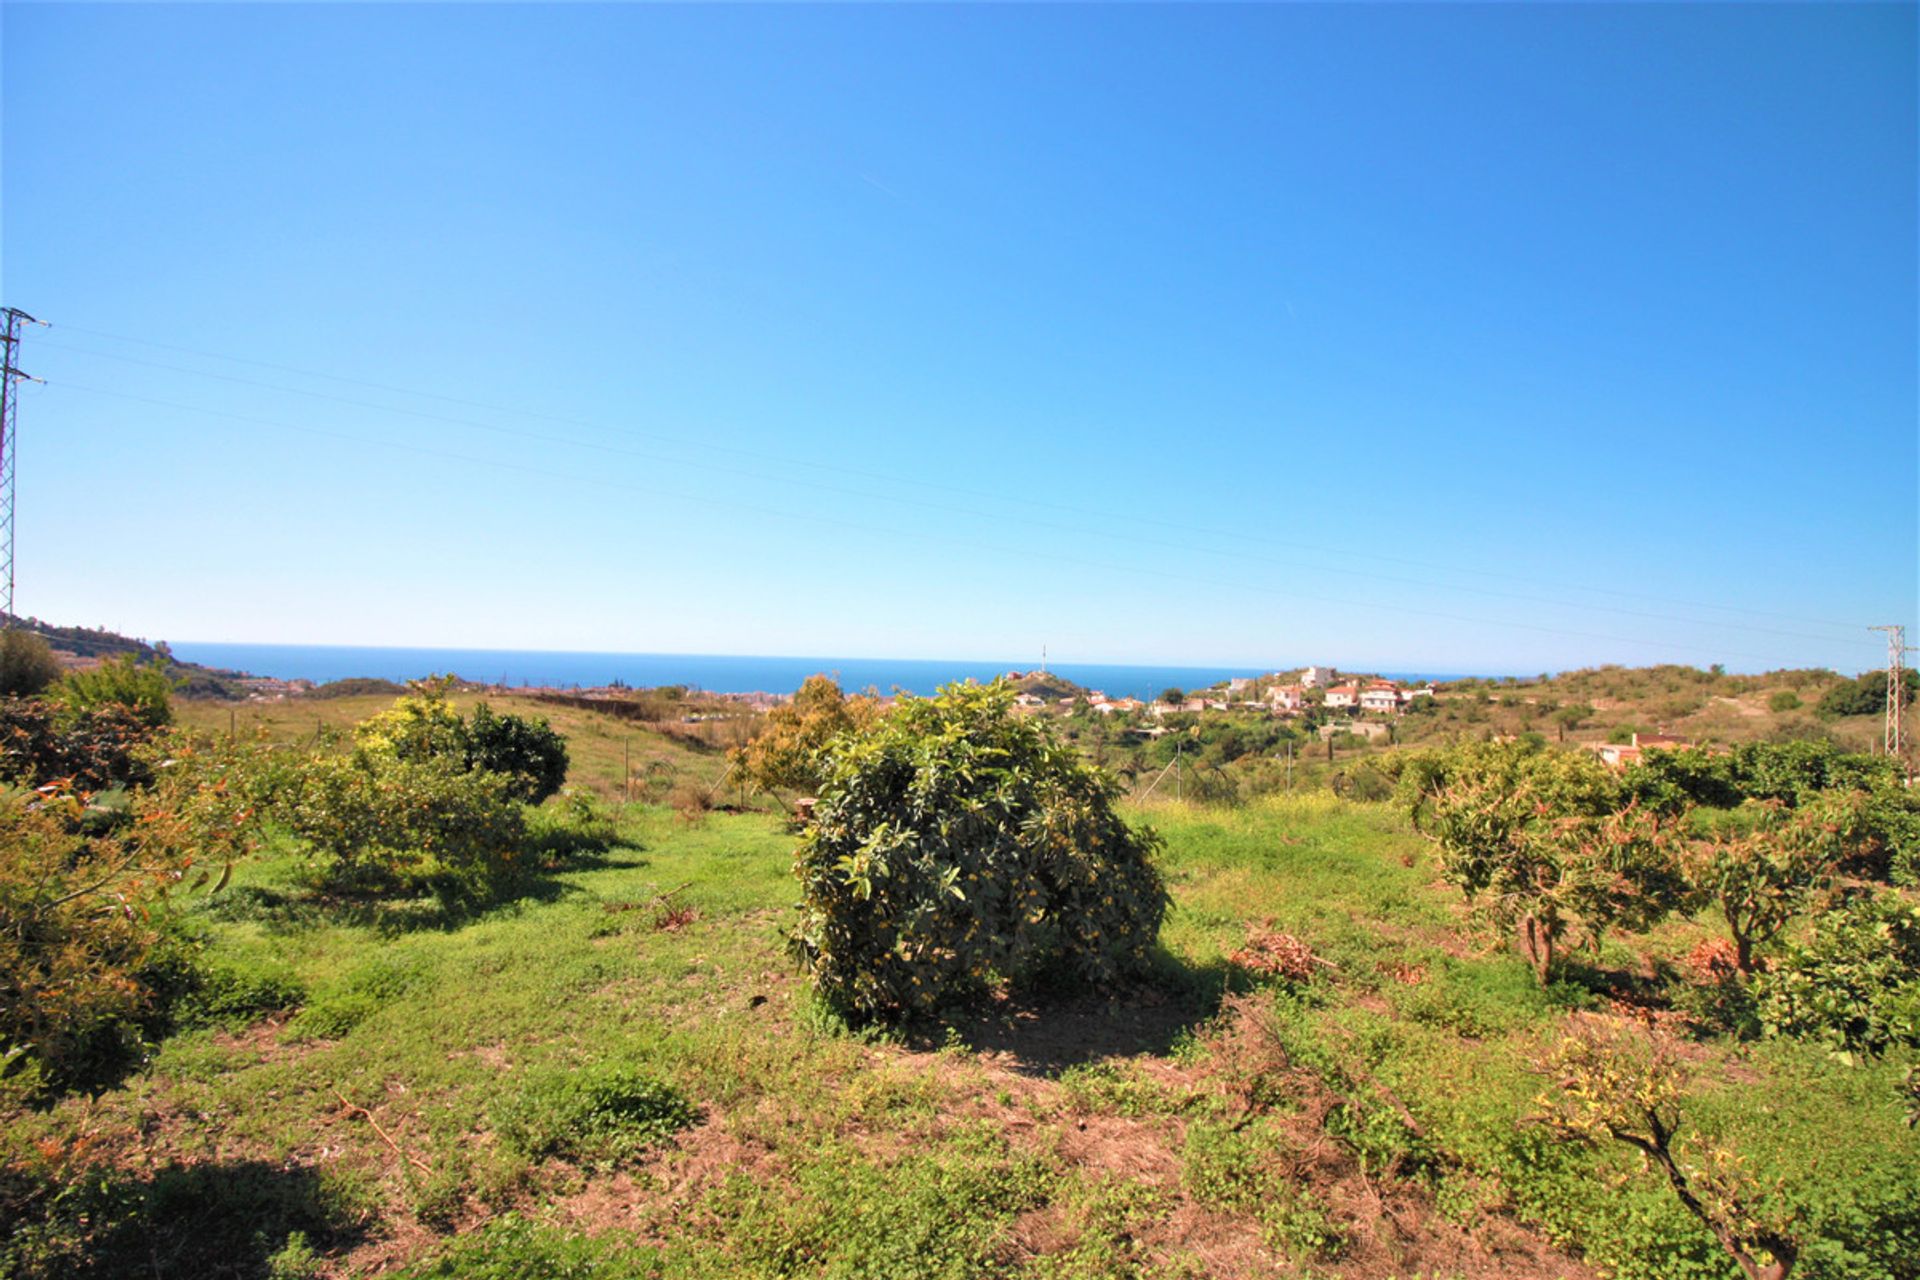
<point x="387" y="1020"/>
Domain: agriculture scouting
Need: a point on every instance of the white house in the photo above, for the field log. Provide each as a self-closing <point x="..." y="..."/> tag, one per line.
<point x="1343" y="695"/>
<point x="1376" y="698"/>
<point x="1286" y="697"/>
<point x="1314" y="677"/>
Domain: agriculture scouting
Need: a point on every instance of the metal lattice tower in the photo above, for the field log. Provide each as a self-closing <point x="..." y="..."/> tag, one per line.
<point x="10" y="373"/>
<point x="1897" y="649"/>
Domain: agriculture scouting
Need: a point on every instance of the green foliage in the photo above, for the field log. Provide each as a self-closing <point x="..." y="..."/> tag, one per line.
<point x="940" y="1214"/>
<point x="788" y="754"/>
<point x="1866" y="695"/>
<point x="1762" y="877"/>
<point x="356" y="687"/>
<point x="955" y="842"/>
<point x="603" y="1113"/>
<point x="1242" y="1170"/>
<point x="77" y="924"/>
<point x="1782" y="700"/>
<point x="208" y="1218"/>
<point x="382" y="825"/>
<point x="514" y="1248"/>
<point x="527" y="752"/>
<point x="1612" y="1084"/>
<point x="1533" y="839"/>
<point x="217" y="992"/>
<point x="1855" y="983"/>
<point x="370" y="987"/>
<point x="143" y="688"/>
<point x="424" y="726"/>
<point x="1110" y="1088"/>
<point x="92" y="750"/>
<point x="27" y="664"/>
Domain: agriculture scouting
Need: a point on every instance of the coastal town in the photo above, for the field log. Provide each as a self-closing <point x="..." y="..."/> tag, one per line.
<point x="1281" y="694"/>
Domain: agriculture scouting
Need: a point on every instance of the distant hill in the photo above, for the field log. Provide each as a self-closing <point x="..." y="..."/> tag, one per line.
<point x="1045" y="684"/>
<point x="84" y="646"/>
<point x="1597" y="703"/>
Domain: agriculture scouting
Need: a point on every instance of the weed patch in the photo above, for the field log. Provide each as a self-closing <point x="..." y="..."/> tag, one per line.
<point x="600" y="1114"/>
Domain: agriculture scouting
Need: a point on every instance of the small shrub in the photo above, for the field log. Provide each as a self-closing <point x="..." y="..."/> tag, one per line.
<point x="1536" y="842"/>
<point x="144" y="689"/>
<point x="1612" y="1084"/>
<point x="690" y="800"/>
<point x="27" y="664"/>
<point x="787" y="754"/>
<point x="599" y="1114"/>
<point x="77" y="925"/>
<point x="1783" y="700"/>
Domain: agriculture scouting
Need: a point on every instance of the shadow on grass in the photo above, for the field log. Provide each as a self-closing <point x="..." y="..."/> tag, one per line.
<point x="240" y="1219"/>
<point x="1045" y="1032"/>
<point x="547" y="855"/>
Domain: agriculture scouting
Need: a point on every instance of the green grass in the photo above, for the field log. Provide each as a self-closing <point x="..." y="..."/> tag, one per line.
<point x="619" y="1074"/>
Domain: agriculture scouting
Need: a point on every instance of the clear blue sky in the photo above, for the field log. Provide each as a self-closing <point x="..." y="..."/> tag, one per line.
<point x="1464" y="338"/>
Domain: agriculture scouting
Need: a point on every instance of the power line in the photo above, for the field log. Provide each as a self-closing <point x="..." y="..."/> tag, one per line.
<point x="892" y="532"/>
<point x="788" y="462"/>
<point x="867" y="495"/>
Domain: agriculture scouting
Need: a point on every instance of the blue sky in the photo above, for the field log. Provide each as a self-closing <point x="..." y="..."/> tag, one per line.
<point x="1441" y="337"/>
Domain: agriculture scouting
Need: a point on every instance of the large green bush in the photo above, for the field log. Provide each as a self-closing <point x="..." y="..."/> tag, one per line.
<point x="956" y="844"/>
<point x="143" y="688"/>
<point x="528" y="753"/>
<point x="1855" y="982"/>
<point x="377" y="825"/>
<point x="425" y="726"/>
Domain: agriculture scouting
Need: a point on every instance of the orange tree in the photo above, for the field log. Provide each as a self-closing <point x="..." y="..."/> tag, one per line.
<point x="956" y="845"/>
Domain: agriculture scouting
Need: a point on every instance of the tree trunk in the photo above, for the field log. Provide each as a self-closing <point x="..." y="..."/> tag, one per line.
<point x="1537" y="944"/>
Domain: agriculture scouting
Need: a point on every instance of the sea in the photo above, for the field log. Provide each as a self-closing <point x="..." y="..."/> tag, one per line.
<point x="713" y="672"/>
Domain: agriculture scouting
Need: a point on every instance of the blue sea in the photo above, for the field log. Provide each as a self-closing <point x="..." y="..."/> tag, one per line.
<point x="716" y="673"/>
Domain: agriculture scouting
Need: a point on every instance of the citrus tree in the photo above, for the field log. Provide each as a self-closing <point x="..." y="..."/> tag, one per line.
<point x="425" y="726"/>
<point x="955" y="845"/>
